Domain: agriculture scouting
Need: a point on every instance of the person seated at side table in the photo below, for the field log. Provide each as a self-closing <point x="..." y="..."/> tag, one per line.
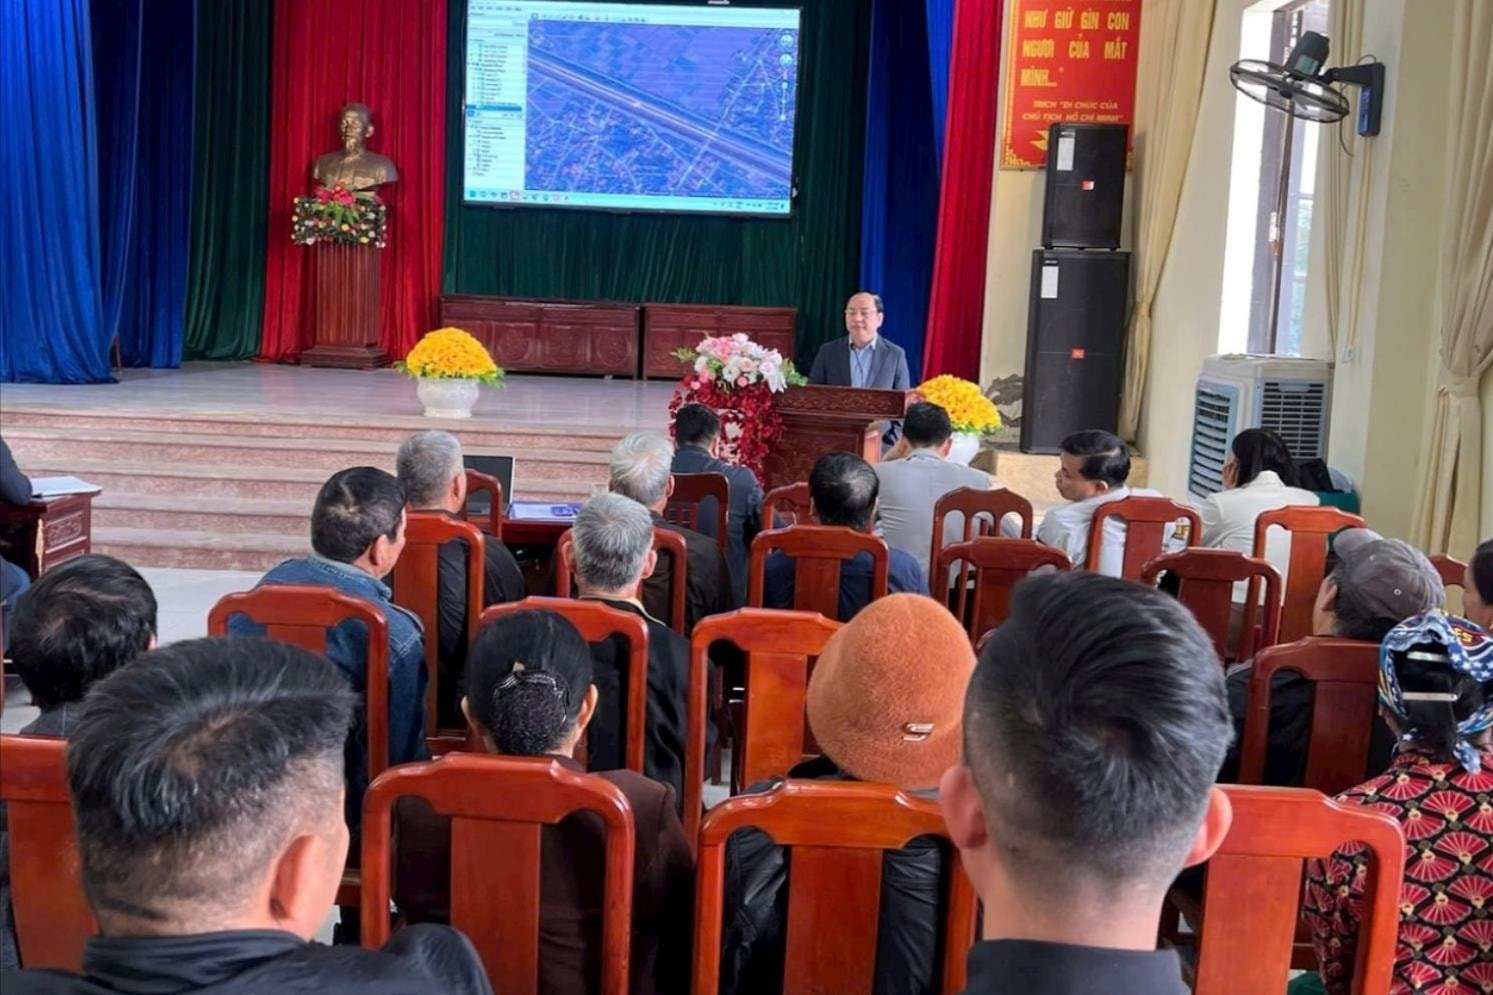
<point x="531" y="694"/>
<point x="15" y="488"/>
<point x="842" y="492"/>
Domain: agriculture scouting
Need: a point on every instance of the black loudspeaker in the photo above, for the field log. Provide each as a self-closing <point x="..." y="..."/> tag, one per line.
<point x="1075" y="335"/>
<point x="1085" y="192"/>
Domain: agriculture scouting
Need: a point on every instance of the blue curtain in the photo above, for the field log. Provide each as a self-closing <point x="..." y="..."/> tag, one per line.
<point x="143" y="76"/>
<point x="51" y="315"/>
<point x="906" y="99"/>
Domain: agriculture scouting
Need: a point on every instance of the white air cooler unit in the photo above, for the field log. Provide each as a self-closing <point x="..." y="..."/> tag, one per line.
<point x="1289" y="396"/>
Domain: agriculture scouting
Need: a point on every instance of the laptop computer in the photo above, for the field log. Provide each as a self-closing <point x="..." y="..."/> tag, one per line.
<point x="501" y="467"/>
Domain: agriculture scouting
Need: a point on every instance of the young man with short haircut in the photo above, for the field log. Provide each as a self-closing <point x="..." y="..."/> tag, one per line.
<point x="1094" y="727"/>
<point x="207" y="784"/>
<point x="697" y="438"/>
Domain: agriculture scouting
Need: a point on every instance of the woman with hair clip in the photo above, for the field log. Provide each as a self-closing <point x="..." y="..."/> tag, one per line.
<point x="1436" y="694"/>
<point x="530" y="692"/>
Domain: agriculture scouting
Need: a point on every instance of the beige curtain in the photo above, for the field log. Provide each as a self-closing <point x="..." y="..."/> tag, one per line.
<point x="1335" y="178"/>
<point x="1446" y="509"/>
<point x="1174" y="46"/>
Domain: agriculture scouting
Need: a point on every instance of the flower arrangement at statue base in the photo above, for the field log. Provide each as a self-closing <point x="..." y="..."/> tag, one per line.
<point x="970" y="411"/>
<point x="449" y="365"/>
<point x="737" y="378"/>
<point x="337" y="214"/>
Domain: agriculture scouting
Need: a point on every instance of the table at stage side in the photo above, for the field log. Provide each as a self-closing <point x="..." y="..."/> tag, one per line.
<point x="47" y="531"/>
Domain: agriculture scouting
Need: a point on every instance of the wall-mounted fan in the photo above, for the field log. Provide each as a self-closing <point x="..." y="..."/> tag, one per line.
<point x="1302" y="89"/>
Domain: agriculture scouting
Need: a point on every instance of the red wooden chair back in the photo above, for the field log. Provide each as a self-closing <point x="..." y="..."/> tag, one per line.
<point x="684" y="507"/>
<point x="838" y="834"/>
<point x="790" y="500"/>
<point x="1148" y="521"/>
<point x="417" y="588"/>
<point x="498" y="808"/>
<point x="51" y="914"/>
<point x="982" y="511"/>
<point x="596" y="622"/>
<point x="1253" y="889"/>
<point x="301" y="614"/>
<point x="1452" y="570"/>
<point x="817" y="552"/>
<point x="997" y="565"/>
<point x="779" y="647"/>
<point x="1310" y="528"/>
<point x="1345" y="678"/>
<point x="1206" y="586"/>
<point x="665" y="544"/>
<point x="479" y="482"/>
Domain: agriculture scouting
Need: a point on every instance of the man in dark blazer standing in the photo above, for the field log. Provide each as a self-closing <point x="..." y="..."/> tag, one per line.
<point x="863" y="358"/>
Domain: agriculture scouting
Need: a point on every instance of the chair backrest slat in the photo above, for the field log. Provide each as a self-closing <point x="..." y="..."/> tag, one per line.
<point x="686" y="508"/>
<point x="479" y="482"/>
<point x="666" y="544"/>
<point x="840" y="885"/>
<point x="1206" y="579"/>
<point x="1148" y="521"/>
<point x="1310" y="528"/>
<point x="818" y="551"/>
<point x="995" y="566"/>
<point x="982" y="511"/>
<point x="505" y="934"/>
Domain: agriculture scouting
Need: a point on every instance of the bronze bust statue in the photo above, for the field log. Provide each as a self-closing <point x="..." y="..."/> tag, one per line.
<point x="354" y="167"/>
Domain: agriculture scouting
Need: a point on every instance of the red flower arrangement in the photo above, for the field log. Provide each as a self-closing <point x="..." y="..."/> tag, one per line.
<point x="337" y="214"/>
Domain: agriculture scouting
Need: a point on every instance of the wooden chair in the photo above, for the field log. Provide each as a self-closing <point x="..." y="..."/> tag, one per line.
<point x="1345" y="678"/>
<point x="817" y="552"/>
<point x="51" y="914"/>
<point x="1452" y="570"/>
<point x="665" y="543"/>
<point x="1206" y="586"/>
<point x="983" y="511"/>
<point x="1147" y="521"/>
<point x="1310" y="528"/>
<point x="596" y="622"/>
<point x="685" y="507"/>
<point x="479" y="482"/>
<point x="778" y="646"/>
<point x="995" y="566"/>
<point x="838" y="833"/>
<point x="417" y="588"/>
<point x="499" y="807"/>
<point x="790" y="500"/>
<point x="1253" y="889"/>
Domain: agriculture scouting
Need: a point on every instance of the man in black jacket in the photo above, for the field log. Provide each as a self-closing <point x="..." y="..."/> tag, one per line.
<point x="15" y="488"/>
<point x="697" y="436"/>
<point x="207" y="783"/>
<point x="435" y="479"/>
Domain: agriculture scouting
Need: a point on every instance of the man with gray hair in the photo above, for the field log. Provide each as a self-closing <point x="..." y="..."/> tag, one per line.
<point x="434" y="477"/>
<point x="641" y="469"/>
<point x="613" y="538"/>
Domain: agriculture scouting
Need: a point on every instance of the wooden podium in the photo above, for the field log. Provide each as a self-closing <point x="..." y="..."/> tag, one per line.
<point x="345" y="307"/>
<point x="819" y="420"/>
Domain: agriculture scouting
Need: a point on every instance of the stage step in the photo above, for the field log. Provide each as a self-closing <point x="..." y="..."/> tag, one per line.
<point x="146" y="547"/>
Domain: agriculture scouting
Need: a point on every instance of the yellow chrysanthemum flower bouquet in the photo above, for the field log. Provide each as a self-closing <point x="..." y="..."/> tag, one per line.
<point x="971" y="413"/>
<point x="448" y="365"/>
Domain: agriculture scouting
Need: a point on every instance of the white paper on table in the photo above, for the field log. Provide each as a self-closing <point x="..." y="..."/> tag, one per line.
<point x="46" y="487"/>
<point x="542" y="511"/>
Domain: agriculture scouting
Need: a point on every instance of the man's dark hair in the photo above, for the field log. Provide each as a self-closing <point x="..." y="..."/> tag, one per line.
<point x="1260" y="449"/>
<point x="354" y="508"/>
<point x="192" y="768"/>
<point x="77" y="624"/>
<point x="844" y="489"/>
<point x="1095" y="724"/>
<point x="1107" y="458"/>
<point x="695" y="425"/>
<point x="926" y="425"/>
<point x="1482" y="571"/>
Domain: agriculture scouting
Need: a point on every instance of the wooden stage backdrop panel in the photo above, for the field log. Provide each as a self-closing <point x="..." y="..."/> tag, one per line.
<point x="535" y="336"/>
<point x="667" y="327"/>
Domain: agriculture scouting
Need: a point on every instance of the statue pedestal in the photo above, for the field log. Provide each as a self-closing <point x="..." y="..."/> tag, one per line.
<point x="345" y="307"/>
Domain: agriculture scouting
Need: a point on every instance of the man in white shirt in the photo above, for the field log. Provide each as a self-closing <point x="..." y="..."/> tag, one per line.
<point x="911" y="486"/>
<point x="1094" y="466"/>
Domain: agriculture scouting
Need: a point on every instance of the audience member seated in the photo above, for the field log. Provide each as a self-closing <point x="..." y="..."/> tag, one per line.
<point x="15" y="488"/>
<point x="1093" y="468"/>
<point x="78" y="624"/>
<point x="207" y="783"/>
<point x="1094" y="726"/>
<point x="434" y="478"/>
<point x="532" y="695"/>
<point x="613" y="538"/>
<point x="357" y="533"/>
<point x="911" y="486"/>
<point x="1436" y="692"/>
<point x="697" y="434"/>
<point x="1477" y="587"/>
<point x="877" y="716"/>
<point x="842" y="491"/>
<point x="1375" y="584"/>
<point x="640" y="470"/>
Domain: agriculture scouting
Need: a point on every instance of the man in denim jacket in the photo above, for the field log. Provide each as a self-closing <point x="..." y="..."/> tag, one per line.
<point x="357" y="534"/>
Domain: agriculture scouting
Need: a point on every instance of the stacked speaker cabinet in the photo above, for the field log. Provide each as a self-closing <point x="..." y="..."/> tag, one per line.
<point x="1080" y="289"/>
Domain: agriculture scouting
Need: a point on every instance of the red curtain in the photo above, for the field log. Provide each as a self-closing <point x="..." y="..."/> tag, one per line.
<point x="390" y="55"/>
<point x="957" y="300"/>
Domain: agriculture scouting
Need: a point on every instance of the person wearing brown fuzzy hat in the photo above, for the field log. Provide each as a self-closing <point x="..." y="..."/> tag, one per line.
<point x="884" y="704"/>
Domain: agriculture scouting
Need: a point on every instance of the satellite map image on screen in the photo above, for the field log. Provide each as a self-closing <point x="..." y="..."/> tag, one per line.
<point x="657" y="109"/>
